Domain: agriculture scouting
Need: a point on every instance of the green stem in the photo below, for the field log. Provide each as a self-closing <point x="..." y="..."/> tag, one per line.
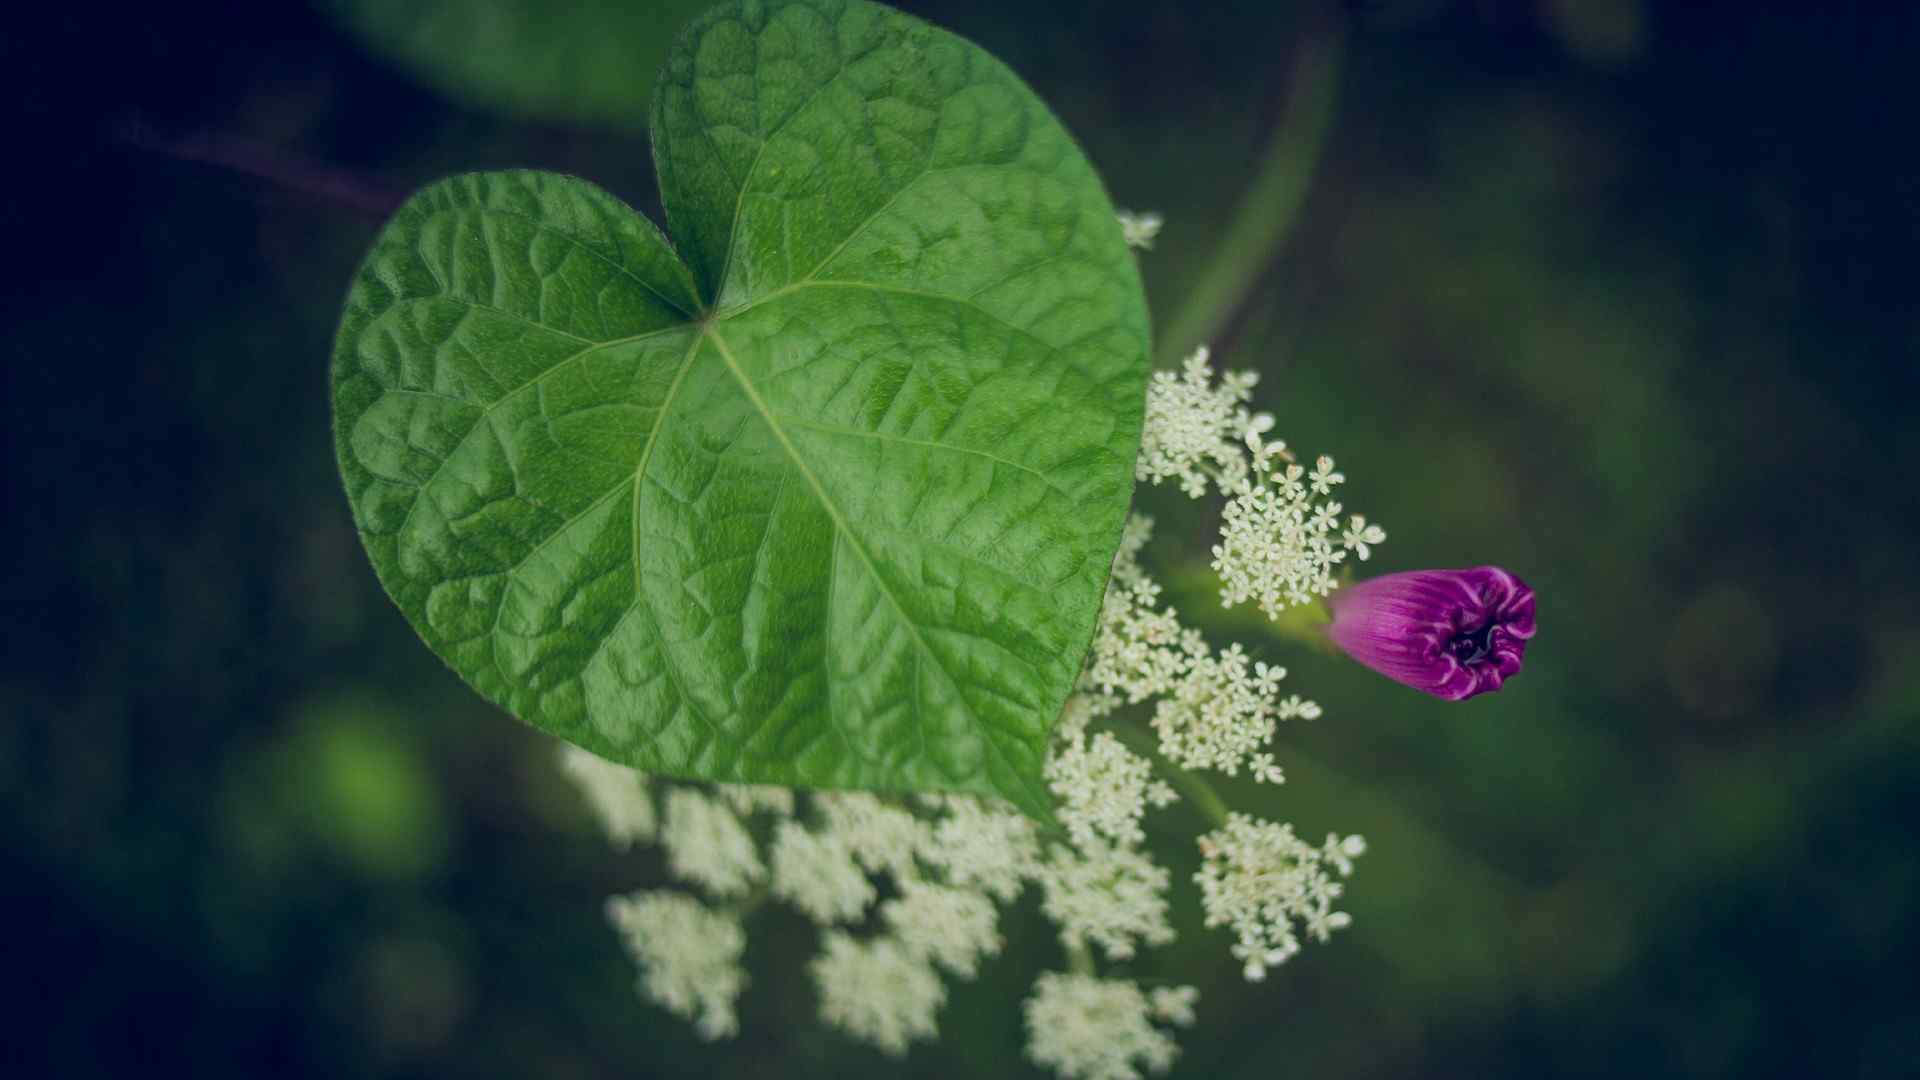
<point x="1271" y="205"/>
<point x="1193" y="787"/>
<point x="1079" y="960"/>
<point x="1306" y="624"/>
<point x="1199" y="793"/>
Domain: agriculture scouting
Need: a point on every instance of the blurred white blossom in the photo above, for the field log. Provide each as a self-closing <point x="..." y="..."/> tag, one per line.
<point x="750" y="799"/>
<point x="707" y="845"/>
<point x="689" y="956"/>
<point x="1174" y="1004"/>
<point x="879" y="991"/>
<point x="993" y="850"/>
<point x="1111" y="895"/>
<point x="617" y="795"/>
<point x="1088" y="1028"/>
<point x="882" y="837"/>
<point x="953" y="927"/>
<point x="815" y="872"/>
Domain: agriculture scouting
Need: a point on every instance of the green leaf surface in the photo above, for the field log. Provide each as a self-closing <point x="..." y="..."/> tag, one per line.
<point x="825" y="496"/>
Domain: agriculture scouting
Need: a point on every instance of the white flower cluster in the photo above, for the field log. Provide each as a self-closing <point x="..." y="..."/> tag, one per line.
<point x="1089" y="1028"/>
<point x="618" y="796"/>
<point x="879" y="991"/>
<point x="908" y="891"/>
<point x="1261" y="880"/>
<point x="979" y="847"/>
<point x="951" y="926"/>
<point x="689" y="956"/>
<point x="1104" y="788"/>
<point x="1211" y="711"/>
<point x="1195" y="431"/>
<point x="707" y="844"/>
<point x="1274" y="541"/>
<point x="815" y="872"/>
<point x="1276" y="544"/>
<point x="1113" y="895"/>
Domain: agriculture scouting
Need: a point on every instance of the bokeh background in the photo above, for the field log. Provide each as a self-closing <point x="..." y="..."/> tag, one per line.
<point x="1617" y="294"/>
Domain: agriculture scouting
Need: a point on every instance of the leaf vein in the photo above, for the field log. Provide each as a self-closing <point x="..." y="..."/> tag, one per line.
<point x="924" y="650"/>
<point x="569" y="238"/>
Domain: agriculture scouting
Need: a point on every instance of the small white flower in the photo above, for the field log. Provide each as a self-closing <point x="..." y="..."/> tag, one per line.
<point x="1360" y="534"/>
<point x="1340" y="854"/>
<point x="1324" y="478"/>
<point x="1296" y="706"/>
<point x="1326" y="518"/>
<point x="1174" y="1004"/>
<point x="689" y="956"/>
<point x="1139" y="230"/>
<point x="879" y="992"/>
<point x="1088" y="1028"/>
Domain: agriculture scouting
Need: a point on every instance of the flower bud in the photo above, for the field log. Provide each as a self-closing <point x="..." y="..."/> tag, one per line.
<point x="1450" y="633"/>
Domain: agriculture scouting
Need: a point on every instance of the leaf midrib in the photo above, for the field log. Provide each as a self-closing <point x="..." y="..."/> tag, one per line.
<point x="646" y="452"/>
<point x="710" y="331"/>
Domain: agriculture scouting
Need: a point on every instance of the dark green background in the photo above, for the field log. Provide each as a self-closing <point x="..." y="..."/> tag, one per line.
<point x="1618" y="296"/>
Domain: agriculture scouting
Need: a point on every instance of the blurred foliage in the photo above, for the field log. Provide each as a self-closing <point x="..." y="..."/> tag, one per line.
<point x="344" y="785"/>
<point x="590" y="61"/>
<point x="1617" y="296"/>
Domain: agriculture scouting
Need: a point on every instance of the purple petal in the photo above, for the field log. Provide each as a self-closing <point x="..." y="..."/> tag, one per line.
<point x="1449" y="633"/>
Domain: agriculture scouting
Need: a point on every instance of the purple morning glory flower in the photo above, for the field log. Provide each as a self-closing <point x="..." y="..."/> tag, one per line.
<point x="1451" y="633"/>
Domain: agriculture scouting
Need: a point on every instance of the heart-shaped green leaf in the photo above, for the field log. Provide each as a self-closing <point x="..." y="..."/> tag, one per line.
<point x="830" y="503"/>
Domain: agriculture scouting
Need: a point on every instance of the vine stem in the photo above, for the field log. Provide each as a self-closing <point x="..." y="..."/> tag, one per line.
<point x="1267" y="212"/>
